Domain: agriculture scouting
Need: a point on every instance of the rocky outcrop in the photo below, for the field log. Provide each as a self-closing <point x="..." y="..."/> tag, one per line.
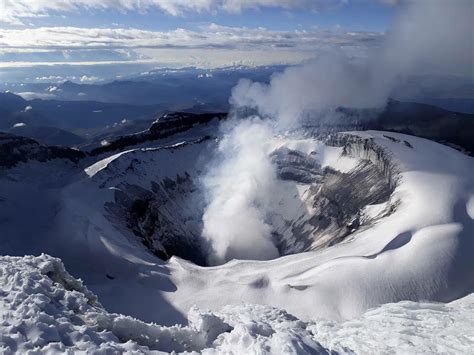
<point x="332" y="206"/>
<point x="163" y="127"/>
<point x="366" y="149"/>
<point x="15" y="149"/>
<point x="163" y="218"/>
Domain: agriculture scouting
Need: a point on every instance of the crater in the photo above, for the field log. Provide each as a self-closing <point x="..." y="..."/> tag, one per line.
<point x="317" y="206"/>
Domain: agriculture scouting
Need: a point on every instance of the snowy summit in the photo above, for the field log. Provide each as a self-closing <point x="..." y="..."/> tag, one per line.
<point x="237" y="177"/>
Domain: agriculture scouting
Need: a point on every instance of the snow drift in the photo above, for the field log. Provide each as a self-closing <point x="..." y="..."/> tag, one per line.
<point x="44" y="309"/>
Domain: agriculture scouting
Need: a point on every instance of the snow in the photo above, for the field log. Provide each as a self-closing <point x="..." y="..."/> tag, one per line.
<point x="377" y="290"/>
<point x="420" y="252"/>
<point x="427" y="235"/>
<point x="44" y="309"/>
<point x="405" y="327"/>
<point x="327" y="156"/>
<point x="95" y="168"/>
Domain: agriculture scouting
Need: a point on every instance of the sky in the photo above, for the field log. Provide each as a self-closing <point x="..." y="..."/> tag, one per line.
<point x="90" y="40"/>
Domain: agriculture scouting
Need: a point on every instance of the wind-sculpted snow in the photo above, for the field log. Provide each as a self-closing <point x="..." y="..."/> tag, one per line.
<point x="407" y="247"/>
<point x="45" y="310"/>
<point x="403" y="328"/>
<point x="407" y="235"/>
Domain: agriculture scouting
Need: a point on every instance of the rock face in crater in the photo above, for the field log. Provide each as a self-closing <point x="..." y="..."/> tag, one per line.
<point x="333" y="203"/>
<point x="164" y="218"/>
<point x="315" y="206"/>
<point x="293" y="165"/>
<point x="367" y="149"/>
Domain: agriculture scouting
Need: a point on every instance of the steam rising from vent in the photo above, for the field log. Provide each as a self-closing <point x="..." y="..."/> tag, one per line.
<point x="311" y="91"/>
<point x="428" y="37"/>
<point x="239" y="187"/>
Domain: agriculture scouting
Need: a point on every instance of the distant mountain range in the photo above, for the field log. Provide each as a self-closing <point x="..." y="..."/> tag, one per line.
<point x="90" y="124"/>
<point x="68" y="115"/>
<point x="173" y="89"/>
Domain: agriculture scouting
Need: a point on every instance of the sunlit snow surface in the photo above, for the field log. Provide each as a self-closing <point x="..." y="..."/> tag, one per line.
<point x="45" y="309"/>
<point x="423" y="251"/>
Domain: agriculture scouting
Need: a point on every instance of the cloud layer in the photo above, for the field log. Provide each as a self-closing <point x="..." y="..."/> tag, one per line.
<point x="209" y="46"/>
<point x="15" y="12"/>
<point x="210" y="36"/>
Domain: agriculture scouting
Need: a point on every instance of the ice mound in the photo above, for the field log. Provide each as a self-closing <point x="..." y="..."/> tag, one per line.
<point x="44" y="309"/>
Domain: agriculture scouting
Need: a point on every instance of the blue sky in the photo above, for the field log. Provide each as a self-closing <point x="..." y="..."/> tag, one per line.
<point x="51" y="36"/>
<point x="354" y="16"/>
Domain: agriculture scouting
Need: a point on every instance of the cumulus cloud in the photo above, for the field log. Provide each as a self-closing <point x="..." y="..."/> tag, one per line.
<point x="16" y="11"/>
<point x="313" y="5"/>
<point x="28" y="95"/>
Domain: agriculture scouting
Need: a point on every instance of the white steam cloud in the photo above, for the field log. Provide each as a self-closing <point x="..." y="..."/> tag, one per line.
<point x="428" y="37"/>
<point x="311" y="91"/>
<point x="239" y="187"/>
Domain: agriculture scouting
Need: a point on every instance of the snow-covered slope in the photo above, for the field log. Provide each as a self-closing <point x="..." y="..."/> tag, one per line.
<point x="44" y="309"/>
<point x="421" y="251"/>
<point x="408" y="236"/>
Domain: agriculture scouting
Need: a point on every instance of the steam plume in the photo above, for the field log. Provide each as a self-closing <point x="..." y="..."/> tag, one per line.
<point x="239" y="187"/>
<point x="428" y="37"/>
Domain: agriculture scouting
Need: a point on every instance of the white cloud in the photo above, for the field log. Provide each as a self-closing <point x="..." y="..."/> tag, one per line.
<point x="210" y="46"/>
<point x="211" y="36"/>
<point x="313" y="5"/>
<point x="85" y="78"/>
<point x="18" y="11"/>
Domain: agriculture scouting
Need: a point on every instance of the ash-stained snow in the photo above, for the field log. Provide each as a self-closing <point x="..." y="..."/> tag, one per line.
<point x="44" y="309"/>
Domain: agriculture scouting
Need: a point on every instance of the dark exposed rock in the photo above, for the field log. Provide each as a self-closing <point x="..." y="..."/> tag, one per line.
<point x="454" y="129"/>
<point x="163" y="217"/>
<point x="337" y="198"/>
<point x="366" y="149"/>
<point x="165" y="126"/>
<point x="408" y="144"/>
<point x="393" y="139"/>
<point x="15" y="149"/>
<point x="296" y="166"/>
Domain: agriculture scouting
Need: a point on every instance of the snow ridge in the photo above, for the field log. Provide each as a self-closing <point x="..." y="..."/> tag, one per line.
<point x="44" y="309"/>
